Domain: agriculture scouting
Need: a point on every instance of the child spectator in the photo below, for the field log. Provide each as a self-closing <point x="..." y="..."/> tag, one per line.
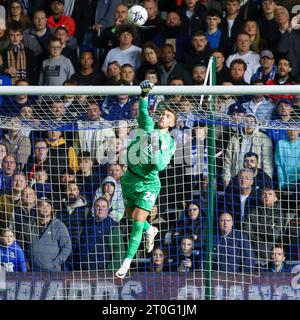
<point x="57" y="68"/>
<point x="12" y="257"/>
<point x="18" y="61"/>
<point x="213" y="34"/>
<point x="40" y="184"/>
<point x="153" y="100"/>
<point x="188" y="258"/>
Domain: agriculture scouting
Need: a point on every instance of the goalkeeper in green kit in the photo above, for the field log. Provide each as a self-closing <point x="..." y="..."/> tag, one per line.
<point x="150" y="152"/>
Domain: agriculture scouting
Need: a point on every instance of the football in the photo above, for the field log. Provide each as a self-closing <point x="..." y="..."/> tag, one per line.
<point x="137" y="15"/>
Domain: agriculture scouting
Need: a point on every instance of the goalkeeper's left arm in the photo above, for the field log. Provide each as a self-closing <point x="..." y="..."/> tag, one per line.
<point x="144" y="120"/>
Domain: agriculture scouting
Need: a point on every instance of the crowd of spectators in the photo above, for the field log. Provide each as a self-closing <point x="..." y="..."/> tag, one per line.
<point x="61" y="205"/>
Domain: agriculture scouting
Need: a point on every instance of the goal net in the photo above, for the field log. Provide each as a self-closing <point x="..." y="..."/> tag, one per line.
<point x="227" y="212"/>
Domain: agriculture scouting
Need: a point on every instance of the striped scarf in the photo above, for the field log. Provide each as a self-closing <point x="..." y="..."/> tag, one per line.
<point x="17" y="59"/>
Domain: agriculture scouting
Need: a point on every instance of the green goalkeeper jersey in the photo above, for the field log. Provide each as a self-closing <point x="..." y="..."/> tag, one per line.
<point x="151" y="150"/>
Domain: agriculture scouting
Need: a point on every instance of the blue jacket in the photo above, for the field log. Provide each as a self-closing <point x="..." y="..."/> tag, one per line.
<point x="233" y="253"/>
<point x="287" y="159"/>
<point x="112" y="110"/>
<point x="94" y="251"/>
<point x="13" y="255"/>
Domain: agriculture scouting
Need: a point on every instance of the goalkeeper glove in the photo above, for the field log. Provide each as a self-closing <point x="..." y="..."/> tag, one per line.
<point x="146" y="86"/>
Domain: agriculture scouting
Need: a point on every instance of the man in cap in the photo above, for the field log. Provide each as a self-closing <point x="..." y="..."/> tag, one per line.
<point x="268" y="70"/>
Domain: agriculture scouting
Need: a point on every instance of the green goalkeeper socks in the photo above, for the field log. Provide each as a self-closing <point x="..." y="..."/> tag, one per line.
<point x="135" y="238"/>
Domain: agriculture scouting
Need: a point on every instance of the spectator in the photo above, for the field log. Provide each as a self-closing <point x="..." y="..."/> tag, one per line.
<point x="249" y="140"/>
<point x="194" y="224"/>
<point x="265" y="226"/>
<point x="260" y="106"/>
<point x="170" y="68"/>
<point x="153" y="24"/>
<point x="128" y="74"/>
<point x="158" y="261"/>
<point x="242" y="198"/>
<point x="150" y="54"/>
<point x="18" y="145"/>
<point x="88" y="176"/>
<point x="40" y="157"/>
<point x="260" y="178"/>
<point x="37" y="37"/>
<point x="257" y="44"/>
<point x="18" y="61"/>
<point x="19" y="183"/>
<point x="213" y="34"/>
<point x="268" y="70"/>
<point x="278" y="264"/>
<point x="15" y="103"/>
<point x="282" y="18"/>
<point x="188" y="258"/>
<point x="115" y="199"/>
<point x="243" y="52"/>
<point x="117" y="107"/>
<point x="284" y="115"/>
<point x="101" y="246"/>
<point x="50" y="241"/>
<point x="108" y="38"/>
<point x="69" y="46"/>
<point x="288" y="44"/>
<point x="237" y="71"/>
<point x="99" y="143"/>
<point x="282" y="78"/>
<point x="173" y="34"/>
<point x="88" y="75"/>
<point x="126" y="52"/>
<point x="232" y="249"/>
<point x="232" y="23"/>
<point x="198" y="74"/>
<point x="24" y="211"/>
<point x="267" y="25"/>
<point x="113" y="72"/>
<point x="11" y="255"/>
<point x="73" y="214"/>
<point x="222" y="72"/>
<point x="57" y="68"/>
<point x="58" y="19"/>
<point x="104" y="13"/>
<point x="9" y="167"/>
<point x="192" y="14"/>
<point x="61" y="156"/>
<point x="16" y="13"/>
<point x="199" y="53"/>
<point x="40" y="183"/>
<point x="286" y="160"/>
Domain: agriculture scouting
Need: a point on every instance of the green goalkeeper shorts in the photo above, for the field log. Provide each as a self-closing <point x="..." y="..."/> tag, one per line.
<point x="138" y="192"/>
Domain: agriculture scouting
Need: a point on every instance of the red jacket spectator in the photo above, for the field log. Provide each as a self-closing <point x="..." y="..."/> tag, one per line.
<point x="64" y="21"/>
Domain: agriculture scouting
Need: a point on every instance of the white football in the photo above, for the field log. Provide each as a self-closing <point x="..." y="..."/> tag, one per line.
<point x="137" y="15"/>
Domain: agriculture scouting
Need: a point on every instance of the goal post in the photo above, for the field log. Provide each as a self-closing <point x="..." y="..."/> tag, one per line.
<point x="208" y="141"/>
